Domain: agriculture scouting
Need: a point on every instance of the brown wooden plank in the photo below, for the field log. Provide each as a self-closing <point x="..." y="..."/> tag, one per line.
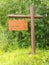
<point x="23" y="16"/>
<point x="18" y="25"/>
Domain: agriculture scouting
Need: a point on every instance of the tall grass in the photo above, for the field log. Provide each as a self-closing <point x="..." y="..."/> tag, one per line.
<point x="25" y="57"/>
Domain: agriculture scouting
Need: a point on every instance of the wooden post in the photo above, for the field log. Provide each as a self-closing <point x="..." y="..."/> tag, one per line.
<point x="32" y="16"/>
<point x="32" y="29"/>
<point x="23" y="16"/>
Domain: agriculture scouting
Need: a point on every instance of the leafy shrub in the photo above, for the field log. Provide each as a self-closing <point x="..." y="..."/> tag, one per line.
<point x="14" y="39"/>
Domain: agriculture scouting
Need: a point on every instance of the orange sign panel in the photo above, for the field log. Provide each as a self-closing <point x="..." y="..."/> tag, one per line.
<point x="18" y="25"/>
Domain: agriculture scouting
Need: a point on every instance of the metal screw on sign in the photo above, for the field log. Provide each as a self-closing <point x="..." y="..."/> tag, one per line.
<point x="32" y="17"/>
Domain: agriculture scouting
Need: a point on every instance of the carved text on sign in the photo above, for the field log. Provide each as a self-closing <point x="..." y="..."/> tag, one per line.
<point x="18" y="25"/>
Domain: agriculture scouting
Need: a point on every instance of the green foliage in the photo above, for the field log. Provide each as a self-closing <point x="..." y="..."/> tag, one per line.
<point x="42" y="26"/>
<point x="15" y="39"/>
<point x="24" y="57"/>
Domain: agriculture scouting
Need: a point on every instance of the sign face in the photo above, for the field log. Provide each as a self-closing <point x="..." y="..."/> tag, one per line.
<point x="18" y="25"/>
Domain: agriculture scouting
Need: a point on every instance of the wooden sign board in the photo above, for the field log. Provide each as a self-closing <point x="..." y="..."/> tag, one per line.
<point x="18" y="25"/>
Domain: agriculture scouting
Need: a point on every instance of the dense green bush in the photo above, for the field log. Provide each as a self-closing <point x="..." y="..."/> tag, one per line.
<point x="14" y="39"/>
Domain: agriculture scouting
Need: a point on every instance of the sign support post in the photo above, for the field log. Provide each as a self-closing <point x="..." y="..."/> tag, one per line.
<point x="32" y="17"/>
<point x="32" y="29"/>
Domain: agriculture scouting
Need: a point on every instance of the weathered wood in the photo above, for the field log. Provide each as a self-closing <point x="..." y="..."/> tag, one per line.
<point x="32" y="29"/>
<point x="32" y="17"/>
<point x="23" y="16"/>
<point x="18" y="25"/>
